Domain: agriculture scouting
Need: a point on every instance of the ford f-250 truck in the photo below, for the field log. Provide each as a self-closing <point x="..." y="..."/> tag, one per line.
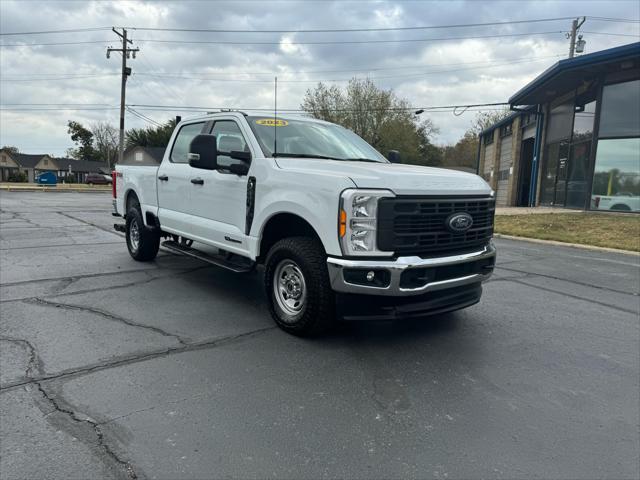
<point x="341" y="231"/>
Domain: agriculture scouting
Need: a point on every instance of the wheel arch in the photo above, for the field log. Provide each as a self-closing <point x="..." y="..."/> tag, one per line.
<point x="129" y="197"/>
<point x="283" y="225"/>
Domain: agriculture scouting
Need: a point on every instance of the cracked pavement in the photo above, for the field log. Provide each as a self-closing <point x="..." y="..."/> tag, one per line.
<point x="111" y="368"/>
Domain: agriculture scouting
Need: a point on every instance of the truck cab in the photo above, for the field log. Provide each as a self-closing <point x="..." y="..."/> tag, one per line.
<point x="340" y="231"/>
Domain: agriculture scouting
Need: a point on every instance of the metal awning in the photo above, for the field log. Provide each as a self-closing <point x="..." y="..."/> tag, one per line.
<point x="569" y="74"/>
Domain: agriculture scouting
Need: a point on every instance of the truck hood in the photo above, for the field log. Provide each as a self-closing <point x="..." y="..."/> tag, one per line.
<point x="401" y="179"/>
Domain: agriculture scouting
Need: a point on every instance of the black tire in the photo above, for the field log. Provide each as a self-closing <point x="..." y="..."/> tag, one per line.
<point x="317" y="313"/>
<point x="621" y="207"/>
<point x="143" y="246"/>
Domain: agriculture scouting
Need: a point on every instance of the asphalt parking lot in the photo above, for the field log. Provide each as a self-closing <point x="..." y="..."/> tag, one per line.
<point x="174" y="369"/>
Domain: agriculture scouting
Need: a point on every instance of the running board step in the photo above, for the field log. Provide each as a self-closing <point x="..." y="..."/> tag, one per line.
<point x="237" y="264"/>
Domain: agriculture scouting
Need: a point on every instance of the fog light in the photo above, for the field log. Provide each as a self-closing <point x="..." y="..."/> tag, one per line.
<point x="379" y="278"/>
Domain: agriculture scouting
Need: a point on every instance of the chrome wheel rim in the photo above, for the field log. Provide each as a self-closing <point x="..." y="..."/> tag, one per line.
<point x="134" y="234"/>
<point x="289" y="289"/>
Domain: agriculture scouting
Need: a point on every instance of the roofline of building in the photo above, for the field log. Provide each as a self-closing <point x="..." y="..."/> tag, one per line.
<point x="608" y="55"/>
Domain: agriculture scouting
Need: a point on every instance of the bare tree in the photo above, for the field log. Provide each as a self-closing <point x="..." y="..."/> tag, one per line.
<point x="105" y="137"/>
<point x="377" y="115"/>
<point x="487" y="118"/>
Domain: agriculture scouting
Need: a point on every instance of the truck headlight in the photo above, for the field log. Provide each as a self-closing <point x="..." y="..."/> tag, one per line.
<point x="357" y="221"/>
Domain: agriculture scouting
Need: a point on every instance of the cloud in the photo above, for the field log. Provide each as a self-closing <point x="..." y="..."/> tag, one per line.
<point x="426" y="73"/>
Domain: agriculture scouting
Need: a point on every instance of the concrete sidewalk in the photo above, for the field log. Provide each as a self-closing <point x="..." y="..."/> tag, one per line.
<point x="533" y="210"/>
<point x="63" y="187"/>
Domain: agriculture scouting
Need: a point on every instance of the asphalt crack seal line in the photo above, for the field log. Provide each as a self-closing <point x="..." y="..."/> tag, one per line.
<point x="34" y="363"/>
<point x="101" y="443"/>
<point x="105" y="314"/>
<point x="141" y="357"/>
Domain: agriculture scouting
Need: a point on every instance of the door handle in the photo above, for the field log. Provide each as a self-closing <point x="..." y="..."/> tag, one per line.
<point x="163" y="178"/>
<point x="197" y="181"/>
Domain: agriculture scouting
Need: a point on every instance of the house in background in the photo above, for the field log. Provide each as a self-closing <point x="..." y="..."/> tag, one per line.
<point x="77" y="170"/>
<point x="143" y="155"/>
<point x="573" y="140"/>
<point x="9" y="165"/>
<point x="33" y="165"/>
<point x="29" y="164"/>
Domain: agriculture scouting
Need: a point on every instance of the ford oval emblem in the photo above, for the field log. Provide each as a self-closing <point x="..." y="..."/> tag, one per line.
<point x="459" y="222"/>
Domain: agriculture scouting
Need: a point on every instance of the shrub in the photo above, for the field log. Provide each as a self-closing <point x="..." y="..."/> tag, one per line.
<point x="18" y="177"/>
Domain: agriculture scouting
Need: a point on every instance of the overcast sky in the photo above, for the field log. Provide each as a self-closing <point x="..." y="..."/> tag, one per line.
<point x="441" y="71"/>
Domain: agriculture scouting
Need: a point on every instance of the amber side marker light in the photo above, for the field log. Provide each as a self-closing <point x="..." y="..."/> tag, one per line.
<point x="342" y="225"/>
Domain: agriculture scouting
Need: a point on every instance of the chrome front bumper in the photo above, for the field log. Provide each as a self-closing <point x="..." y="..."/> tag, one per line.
<point x="397" y="267"/>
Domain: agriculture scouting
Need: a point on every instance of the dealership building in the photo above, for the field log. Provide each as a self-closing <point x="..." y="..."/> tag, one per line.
<point x="573" y="137"/>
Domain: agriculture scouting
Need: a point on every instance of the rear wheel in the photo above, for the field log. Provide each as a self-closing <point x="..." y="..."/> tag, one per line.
<point x="297" y="285"/>
<point x="143" y="243"/>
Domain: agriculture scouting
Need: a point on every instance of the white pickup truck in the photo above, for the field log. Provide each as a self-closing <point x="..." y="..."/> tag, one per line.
<point x="341" y="231"/>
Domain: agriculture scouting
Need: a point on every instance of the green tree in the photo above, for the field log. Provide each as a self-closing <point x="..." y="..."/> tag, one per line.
<point x="10" y="149"/>
<point x="150" y="136"/>
<point x="83" y="139"/>
<point x="377" y="115"/>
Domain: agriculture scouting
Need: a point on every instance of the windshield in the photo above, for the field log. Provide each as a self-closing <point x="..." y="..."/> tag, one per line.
<point x="299" y="138"/>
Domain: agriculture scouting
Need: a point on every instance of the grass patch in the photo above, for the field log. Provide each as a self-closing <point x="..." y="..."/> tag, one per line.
<point x="598" y="229"/>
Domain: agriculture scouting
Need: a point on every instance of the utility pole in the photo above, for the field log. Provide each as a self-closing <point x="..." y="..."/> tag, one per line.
<point x="126" y="71"/>
<point x="575" y="25"/>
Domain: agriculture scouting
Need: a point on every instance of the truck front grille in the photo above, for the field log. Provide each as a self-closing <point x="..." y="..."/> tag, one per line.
<point x="417" y="225"/>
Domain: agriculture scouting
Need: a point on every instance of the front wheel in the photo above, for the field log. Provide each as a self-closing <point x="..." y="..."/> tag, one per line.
<point x="142" y="242"/>
<point x="297" y="285"/>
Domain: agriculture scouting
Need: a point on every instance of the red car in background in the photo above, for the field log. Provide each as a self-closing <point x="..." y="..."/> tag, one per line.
<point x="98" y="179"/>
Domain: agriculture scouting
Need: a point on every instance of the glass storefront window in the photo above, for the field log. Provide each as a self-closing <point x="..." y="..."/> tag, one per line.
<point x="583" y="122"/>
<point x="616" y="180"/>
<point x="620" y="116"/>
<point x="556" y="157"/>
<point x="578" y="173"/>
<point x="560" y="122"/>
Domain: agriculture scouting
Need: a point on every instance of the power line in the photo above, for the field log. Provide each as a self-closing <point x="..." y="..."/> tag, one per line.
<point x="637" y="35"/>
<point x="50" y="79"/>
<point x="350" y="42"/>
<point x="324" y="30"/>
<point x="615" y="20"/>
<point x="143" y="117"/>
<point x="381" y="77"/>
<point x="280" y="42"/>
<point x="57" y="109"/>
<point x="340" y="30"/>
<point x="297" y="110"/>
<point x="45" y="32"/>
<point x="360" y="68"/>
<point x="53" y="44"/>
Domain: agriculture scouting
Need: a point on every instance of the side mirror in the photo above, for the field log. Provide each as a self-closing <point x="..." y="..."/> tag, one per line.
<point x="239" y="168"/>
<point x="203" y="152"/>
<point x="393" y="156"/>
<point x="242" y="156"/>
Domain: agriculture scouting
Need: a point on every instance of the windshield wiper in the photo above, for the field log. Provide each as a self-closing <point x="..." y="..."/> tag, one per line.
<point x="304" y="155"/>
<point x="362" y="160"/>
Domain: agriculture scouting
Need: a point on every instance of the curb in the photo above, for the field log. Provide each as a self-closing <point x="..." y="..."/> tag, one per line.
<point x="56" y="190"/>
<point x="566" y="244"/>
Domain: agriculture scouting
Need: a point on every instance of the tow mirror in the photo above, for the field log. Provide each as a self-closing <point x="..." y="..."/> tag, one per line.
<point x="393" y="156"/>
<point x="239" y="168"/>
<point x="242" y="156"/>
<point x="203" y="152"/>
